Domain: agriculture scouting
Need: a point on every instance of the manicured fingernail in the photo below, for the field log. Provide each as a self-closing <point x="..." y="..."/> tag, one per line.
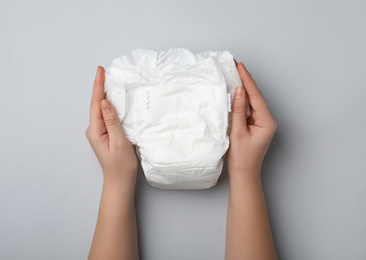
<point x="239" y="92"/>
<point x="106" y="106"/>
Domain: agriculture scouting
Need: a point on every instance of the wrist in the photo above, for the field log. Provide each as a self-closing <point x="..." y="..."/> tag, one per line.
<point x="119" y="180"/>
<point x="119" y="175"/>
<point x="252" y="171"/>
<point x="244" y="176"/>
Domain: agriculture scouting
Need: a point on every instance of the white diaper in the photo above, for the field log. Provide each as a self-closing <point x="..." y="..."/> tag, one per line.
<point x="175" y="106"/>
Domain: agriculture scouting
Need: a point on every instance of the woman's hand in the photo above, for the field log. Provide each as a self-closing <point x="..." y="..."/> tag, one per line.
<point x="115" y="235"/>
<point x="113" y="150"/>
<point x="248" y="232"/>
<point x="249" y="137"/>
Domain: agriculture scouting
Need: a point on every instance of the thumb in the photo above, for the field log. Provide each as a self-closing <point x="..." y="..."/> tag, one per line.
<point x="239" y="111"/>
<point x="111" y="121"/>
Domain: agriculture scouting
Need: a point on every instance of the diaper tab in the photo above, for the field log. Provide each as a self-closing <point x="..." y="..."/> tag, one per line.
<point x="137" y="99"/>
<point x="118" y="99"/>
<point x="228" y="102"/>
<point x="129" y="101"/>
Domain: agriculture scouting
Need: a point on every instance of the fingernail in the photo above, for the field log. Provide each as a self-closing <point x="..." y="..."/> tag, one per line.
<point x="106" y="106"/>
<point x="239" y="92"/>
<point x="97" y="72"/>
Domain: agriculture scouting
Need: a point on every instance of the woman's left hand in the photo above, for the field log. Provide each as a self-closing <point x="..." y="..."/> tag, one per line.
<point x="113" y="150"/>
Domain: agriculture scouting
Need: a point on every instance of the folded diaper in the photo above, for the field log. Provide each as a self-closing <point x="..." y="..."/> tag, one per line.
<point x="174" y="106"/>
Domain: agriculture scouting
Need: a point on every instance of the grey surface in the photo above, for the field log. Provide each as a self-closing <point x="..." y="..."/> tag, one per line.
<point x="309" y="60"/>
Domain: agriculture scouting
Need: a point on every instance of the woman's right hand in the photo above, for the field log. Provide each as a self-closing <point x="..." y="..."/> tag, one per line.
<point x="249" y="137"/>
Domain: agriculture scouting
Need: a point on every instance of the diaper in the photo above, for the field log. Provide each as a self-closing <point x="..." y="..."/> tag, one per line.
<point x="175" y="107"/>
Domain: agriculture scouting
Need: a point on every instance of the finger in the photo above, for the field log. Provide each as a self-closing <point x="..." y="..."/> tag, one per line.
<point x="256" y="99"/>
<point x="239" y="112"/>
<point x="98" y="96"/>
<point x="111" y="120"/>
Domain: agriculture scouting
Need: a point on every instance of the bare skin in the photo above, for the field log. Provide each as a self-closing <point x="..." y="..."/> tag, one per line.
<point x="248" y="232"/>
<point x="116" y="232"/>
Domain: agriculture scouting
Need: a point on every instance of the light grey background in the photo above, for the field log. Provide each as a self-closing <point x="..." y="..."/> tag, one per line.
<point x="309" y="60"/>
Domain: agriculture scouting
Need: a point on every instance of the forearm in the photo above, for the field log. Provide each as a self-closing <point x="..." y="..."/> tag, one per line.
<point x="248" y="234"/>
<point x="116" y="231"/>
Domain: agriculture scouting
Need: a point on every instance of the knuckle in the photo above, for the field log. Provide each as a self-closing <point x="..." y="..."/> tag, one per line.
<point x="238" y="108"/>
<point x="87" y="133"/>
<point x="90" y="135"/>
<point x="111" y="121"/>
<point x="273" y="124"/>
